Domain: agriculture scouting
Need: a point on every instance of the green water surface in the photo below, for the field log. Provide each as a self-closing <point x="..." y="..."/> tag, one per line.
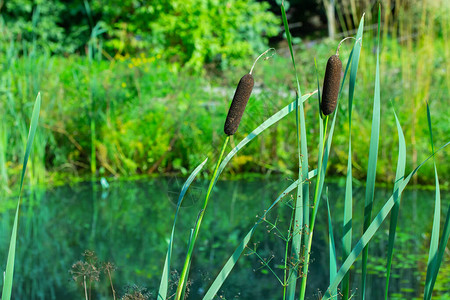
<point x="129" y="223"/>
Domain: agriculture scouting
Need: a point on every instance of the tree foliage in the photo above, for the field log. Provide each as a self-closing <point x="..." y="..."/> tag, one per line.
<point x="193" y="33"/>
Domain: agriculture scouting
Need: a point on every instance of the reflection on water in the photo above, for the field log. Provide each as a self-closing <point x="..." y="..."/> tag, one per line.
<point x="128" y="224"/>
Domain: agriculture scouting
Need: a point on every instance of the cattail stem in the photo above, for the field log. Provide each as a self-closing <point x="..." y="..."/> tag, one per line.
<point x="183" y="277"/>
<point x="266" y="58"/>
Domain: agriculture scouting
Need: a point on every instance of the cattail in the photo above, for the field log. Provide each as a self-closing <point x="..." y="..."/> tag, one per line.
<point x="331" y="84"/>
<point x="240" y="99"/>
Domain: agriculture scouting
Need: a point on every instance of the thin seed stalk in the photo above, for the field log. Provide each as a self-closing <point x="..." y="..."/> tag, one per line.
<point x="183" y="276"/>
<point x="85" y="287"/>
<point x="112" y="286"/>
<point x="313" y="218"/>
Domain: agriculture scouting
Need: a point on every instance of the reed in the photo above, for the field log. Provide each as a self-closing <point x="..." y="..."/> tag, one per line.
<point x="9" y="273"/>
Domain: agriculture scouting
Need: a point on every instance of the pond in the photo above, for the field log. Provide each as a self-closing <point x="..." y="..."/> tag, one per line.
<point x="129" y="223"/>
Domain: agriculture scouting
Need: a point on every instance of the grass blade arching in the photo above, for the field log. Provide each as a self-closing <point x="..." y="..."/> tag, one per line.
<point x="9" y="273"/>
<point x="399" y="175"/>
<point x="331" y="244"/>
<point x="373" y="157"/>
<point x="434" y="242"/>
<point x="164" y="285"/>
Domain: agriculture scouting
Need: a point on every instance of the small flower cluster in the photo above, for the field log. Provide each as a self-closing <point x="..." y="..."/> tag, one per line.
<point x="135" y="62"/>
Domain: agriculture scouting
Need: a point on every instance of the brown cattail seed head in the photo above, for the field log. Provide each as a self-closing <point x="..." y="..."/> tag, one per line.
<point x="331" y="84"/>
<point x="240" y="99"/>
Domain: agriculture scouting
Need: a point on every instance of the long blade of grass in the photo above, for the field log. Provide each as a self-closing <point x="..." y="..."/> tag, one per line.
<point x="231" y="262"/>
<point x="164" y="285"/>
<point x="399" y="175"/>
<point x="434" y="242"/>
<point x="373" y="228"/>
<point x="373" y="157"/>
<point x="348" y="200"/>
<point x="183" y="292"/>
<point x="8" y="281"/>
<point x="442" y="247"/>
<point x="183" y="276"/>
<point x="301" y="205"/>
<point x="289" y="40"/>
<point x="333" y="265"/>
<point x="309" y="226"/>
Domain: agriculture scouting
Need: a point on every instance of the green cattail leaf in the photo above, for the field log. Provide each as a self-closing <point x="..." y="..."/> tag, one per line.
<point x="9" y="273"/>
<point x="348" y="198"/>
<point x="373" y="157"/>
<point x="400" y="174"/>
<point x="441" y="251"/>
<point x="164" y="285"/>
<point x="331" y="245"/>
<point x="432" y="265"/>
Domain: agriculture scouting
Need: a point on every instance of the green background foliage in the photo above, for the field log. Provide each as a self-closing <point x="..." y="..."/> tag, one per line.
<point x="194" y="33"/>
<point x="160" y="81"/>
